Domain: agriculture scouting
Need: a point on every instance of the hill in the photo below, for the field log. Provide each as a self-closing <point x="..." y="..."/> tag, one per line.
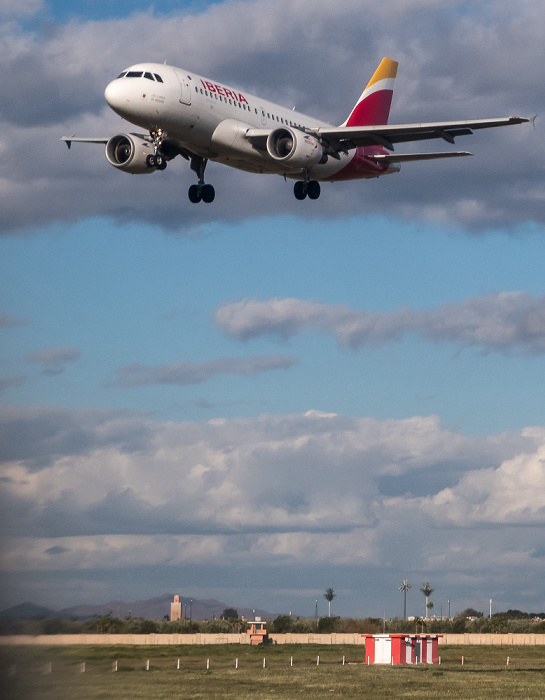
<point x="150" y="609"/>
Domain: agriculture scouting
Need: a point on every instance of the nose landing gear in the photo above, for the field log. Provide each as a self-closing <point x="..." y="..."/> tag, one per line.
<point x="201" y="191"/>
<point x="156" y="159"/>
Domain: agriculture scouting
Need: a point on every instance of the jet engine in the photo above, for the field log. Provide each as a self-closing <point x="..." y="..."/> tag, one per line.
<point x="295" y="148"/>
<point x="128" y="152"/>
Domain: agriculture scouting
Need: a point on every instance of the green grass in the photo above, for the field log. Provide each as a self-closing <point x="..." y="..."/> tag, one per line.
<point x="483" y="675"/>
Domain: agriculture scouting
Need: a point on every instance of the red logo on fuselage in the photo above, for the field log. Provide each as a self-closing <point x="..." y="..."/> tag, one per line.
<point x="223" y="91"/>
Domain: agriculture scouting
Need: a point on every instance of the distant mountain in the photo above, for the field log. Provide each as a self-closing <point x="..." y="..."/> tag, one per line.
<point x="28" y="610"/>
<point x="151" y="609"/>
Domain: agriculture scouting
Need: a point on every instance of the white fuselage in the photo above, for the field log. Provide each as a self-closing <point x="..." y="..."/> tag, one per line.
<point x="210" y="120"/>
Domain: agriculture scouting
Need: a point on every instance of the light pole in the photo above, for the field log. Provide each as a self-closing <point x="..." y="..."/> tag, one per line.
<point x="449" y="610"/>
<point x="490" y="617"/>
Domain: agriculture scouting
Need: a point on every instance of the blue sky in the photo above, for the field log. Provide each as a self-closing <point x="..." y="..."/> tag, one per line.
<point x="163" y="364"/>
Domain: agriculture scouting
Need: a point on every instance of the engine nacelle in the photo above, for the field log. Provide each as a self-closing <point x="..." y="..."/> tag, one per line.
<point x="128" y="152"/>
<point x="295" y="148"/>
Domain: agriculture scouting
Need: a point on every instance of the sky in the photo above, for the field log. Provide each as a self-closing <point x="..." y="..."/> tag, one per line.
<point x="259" y="399"/>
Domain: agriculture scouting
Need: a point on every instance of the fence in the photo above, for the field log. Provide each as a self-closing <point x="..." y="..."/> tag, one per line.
<point x="172" y="639"/>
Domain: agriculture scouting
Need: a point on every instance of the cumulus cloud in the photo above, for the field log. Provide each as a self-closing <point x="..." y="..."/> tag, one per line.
<point x="500" y="322"/>
<point x="475" y="68"/>
<point x="110" y="473"/>
<point x="184" y="373"/>
<point x="54" y="360"/>
<point x="107" y="491"/>
<point x="511" y="493"/>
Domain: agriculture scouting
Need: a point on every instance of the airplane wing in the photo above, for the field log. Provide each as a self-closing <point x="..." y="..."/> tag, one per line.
<point x="68" y="140"/>
<point x="343" y="138"/>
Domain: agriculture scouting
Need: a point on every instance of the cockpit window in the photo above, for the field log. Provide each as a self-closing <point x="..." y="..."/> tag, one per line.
<point x="149" y="76"/>
<point x="122" y="75"/>
<point x="158" y="78"/>
<point x="134" y="74"/>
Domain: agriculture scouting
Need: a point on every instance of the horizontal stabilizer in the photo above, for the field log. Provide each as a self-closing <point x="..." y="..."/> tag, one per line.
<point x="406" y="157"/>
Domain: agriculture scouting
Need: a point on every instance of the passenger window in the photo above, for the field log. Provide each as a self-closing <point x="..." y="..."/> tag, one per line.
<point x="158" y="78"/>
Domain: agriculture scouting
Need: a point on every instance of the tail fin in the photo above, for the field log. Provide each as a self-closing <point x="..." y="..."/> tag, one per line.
<point x="373" y="107"/>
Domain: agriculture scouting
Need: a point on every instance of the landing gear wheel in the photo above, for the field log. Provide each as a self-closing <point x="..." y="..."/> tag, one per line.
<point x="160" y="162"/>
<point x="194" y="194"/>
<point x="313" y="189"/>
<point x="208" y="193"/>
<point x="151" y="161"/>
<point x="300" y="190"/>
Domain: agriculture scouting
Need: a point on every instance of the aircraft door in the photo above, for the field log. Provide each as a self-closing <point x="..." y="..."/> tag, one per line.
<point x="263" y="116"/>
<point x="185" y="88"/>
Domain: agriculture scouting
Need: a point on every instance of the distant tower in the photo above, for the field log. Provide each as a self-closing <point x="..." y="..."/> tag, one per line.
<point x="176" y="609"/>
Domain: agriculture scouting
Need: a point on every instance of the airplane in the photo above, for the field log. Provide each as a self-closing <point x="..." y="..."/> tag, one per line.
<point x="202" y="120"/>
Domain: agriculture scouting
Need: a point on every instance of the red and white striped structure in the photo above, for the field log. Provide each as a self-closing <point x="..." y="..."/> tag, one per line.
<point x="402" y="648"/>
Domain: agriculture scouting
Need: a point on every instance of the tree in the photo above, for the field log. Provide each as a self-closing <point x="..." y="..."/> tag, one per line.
<point x="229" y="613"/>
<point x="471" y="612"/>
<point x="329" y="595"/>
<point x="405" y="586"/>
<point x="427" y="590"/>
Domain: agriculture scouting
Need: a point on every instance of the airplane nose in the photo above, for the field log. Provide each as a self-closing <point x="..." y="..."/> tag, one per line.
<point x="112" y="93"/>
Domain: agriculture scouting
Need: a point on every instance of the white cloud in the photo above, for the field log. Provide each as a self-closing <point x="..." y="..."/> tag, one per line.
<point x="512" y="493"/>
<point x="104" y="491"/>
<point x="7" y="321"/>
<point x="20" y="8"/>
<point x="184" y="373"/>
<point x="54" y="360"/>
<point x="501" y="322"/>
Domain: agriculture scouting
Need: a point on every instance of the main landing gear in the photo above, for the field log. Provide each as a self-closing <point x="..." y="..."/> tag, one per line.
<point x="304" y="188"/>
<point x="201" y="191"/>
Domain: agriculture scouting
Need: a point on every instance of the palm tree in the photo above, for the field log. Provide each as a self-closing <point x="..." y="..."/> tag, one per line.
<point x="329" y="595"/>
<point x="427" y="590"/>
<point x="405" y="586"/>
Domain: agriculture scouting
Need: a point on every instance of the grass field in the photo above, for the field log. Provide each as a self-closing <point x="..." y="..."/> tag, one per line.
<point x="57" y="673"/>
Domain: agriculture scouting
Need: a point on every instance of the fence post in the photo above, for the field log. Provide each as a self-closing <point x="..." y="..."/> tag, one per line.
<point x="207" y="664"/>
<point x="236" y="663"/>
<point x="264" y="662"/>
<point x="318" y="661"/>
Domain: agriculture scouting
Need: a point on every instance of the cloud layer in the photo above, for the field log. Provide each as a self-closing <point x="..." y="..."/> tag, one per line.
<point x="56" y="89"/>
<point x="501" y="322"/>
<point x="105" y="490"/>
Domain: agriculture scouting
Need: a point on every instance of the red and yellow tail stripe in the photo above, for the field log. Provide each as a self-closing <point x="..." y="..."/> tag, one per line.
<point x="373" y="107"/>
